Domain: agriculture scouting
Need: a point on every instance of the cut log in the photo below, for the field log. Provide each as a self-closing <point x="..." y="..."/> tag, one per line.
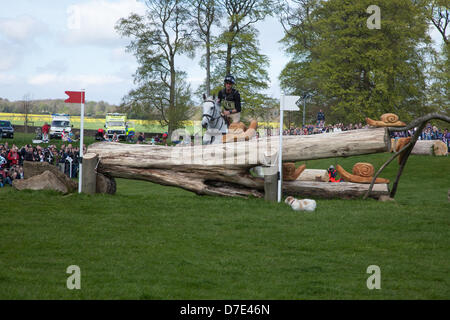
<point x="271" y="187"/>
<point x="89" y="181"/>
<point x="314" y="175"/>
<point x="329" y="190"/>
<point x="105" y="184"/>
<point x="430" y="147"/>
<point x="223" y="169"/>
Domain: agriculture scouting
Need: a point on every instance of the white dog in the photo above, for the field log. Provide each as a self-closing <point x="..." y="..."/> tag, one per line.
<point x="302" y="204"/>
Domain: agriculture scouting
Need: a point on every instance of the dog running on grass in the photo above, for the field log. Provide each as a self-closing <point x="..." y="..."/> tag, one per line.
<point x="302" y="204"/>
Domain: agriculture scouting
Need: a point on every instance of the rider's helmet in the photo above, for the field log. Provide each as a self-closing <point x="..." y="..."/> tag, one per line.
<point x="229" y="78"/>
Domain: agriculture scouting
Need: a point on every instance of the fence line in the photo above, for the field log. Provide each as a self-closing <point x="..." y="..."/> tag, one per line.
<point x="76" y="119"/>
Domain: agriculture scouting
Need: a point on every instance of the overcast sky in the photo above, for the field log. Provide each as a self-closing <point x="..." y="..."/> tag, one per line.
<point x="45" y="49"/>
<point x="50" y="46"/>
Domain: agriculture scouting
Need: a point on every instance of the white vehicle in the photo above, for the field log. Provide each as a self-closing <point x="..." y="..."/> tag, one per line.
<point x="60" y="122"/>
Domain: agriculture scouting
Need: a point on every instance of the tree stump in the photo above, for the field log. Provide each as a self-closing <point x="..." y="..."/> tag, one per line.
<point x="89" y="175"/>
<point x="430" y="147"/>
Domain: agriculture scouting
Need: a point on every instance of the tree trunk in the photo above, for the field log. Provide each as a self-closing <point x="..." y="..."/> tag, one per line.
<point x="105" y="184"/>
<point x="171" y="114"/>
<point x="228" y="61"/>
<point x="223" y="169"/>
<point x="208" y="65"/>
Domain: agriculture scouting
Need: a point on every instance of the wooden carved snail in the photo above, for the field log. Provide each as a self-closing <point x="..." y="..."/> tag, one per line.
<point x="362" y="173"/>
<point x="237" y="132"/>
<point x="387" y="120"/>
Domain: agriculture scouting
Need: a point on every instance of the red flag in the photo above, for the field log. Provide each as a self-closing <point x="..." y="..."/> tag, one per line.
<point x="75" y="97"/>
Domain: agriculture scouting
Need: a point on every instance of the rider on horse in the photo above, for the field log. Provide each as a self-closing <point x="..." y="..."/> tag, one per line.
<point x="230" y="100"/>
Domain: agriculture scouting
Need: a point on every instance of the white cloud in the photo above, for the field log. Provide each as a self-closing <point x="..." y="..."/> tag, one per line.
<point x="74" y="81"/>
<point x="58" y="66"/>
<point x="9" y="56"/>
<point x="92" y="23"/>
<point x="22" y="29"/>
<point x="6" y="79"/>
<point x="121" y="54"/>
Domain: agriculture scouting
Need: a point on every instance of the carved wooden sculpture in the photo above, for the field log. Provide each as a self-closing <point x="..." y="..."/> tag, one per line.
<point x="401" y="142"/>
<point x="289" y="171"/>
<point x="387" y="120"/>
<point x="237" y="132"/>
<point x="362" y="173"/>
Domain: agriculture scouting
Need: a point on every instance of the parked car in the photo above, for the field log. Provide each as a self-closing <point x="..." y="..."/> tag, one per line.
<point x="6" y="129"/>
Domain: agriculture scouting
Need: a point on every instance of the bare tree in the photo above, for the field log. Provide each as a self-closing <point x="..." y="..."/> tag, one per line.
<point x="440" y="17"/>
<point x="157" y="39"/>
<point x="206" y="14"/>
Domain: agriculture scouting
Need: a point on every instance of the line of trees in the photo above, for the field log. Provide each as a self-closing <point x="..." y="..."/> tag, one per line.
<point x="225" y="31"/>
<point x="351" y="70"/>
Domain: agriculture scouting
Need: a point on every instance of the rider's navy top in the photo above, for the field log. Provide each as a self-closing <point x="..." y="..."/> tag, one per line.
<point x="233" y="96"/>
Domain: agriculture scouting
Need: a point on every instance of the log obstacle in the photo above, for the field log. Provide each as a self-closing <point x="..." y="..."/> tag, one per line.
<point x="430" y="147"/>
<point x="314" y="175"/>
<point x="223" y="169"/>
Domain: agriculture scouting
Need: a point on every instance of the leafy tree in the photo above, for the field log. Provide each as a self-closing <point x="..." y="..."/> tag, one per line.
<point x="236" y="51"/>
<point x="249" y="68"/>
<point x="150" y="100"/>
<point x="357" y="71"/>
<point x="439" y="74"/>
<point x="439" y="78"/>
<point x="157" y="39"/>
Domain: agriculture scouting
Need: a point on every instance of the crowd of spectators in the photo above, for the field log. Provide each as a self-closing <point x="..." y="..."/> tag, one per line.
<point x="429" y="133"/>
<point x="12" y="158"/>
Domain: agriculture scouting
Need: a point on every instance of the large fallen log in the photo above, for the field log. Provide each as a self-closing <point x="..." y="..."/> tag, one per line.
<point x="223" y="169"/>
<point x="343" y="190"/>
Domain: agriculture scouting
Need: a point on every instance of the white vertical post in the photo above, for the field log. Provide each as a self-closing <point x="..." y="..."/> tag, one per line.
<point x="80" y="171"/>
<point x="280" y="151"/>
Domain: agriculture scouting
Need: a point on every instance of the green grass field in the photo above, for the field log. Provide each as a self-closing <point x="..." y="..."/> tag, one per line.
<point x="155" y="242"/>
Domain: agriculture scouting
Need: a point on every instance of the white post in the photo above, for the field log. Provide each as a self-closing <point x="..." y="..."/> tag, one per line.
<point x="80" y="171"/>
<point x="280" y="157"/>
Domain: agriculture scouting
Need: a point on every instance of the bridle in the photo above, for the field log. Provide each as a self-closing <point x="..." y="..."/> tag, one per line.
<point x="213" y="118"/>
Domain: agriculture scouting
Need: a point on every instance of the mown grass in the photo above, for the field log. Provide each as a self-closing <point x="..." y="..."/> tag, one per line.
<point x="155" y="242"/>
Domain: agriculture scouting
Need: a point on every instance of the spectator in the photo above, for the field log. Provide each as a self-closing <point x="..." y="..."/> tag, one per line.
<point x="141" y="138"/>
<point x="13" y="156"/>
<point x="45" y="131"/>
<point x="320" y="117"/>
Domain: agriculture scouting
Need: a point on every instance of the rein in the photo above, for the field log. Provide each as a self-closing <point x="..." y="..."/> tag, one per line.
<point x="212" y="117"/>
